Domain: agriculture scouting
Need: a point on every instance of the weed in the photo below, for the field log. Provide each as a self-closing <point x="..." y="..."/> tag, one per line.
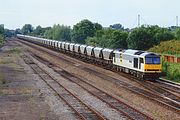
<point x="2" y="79"/>
<point x="172" y="71"/>
<point x="5" y="61"/>
<point x="15" y="51"/>
<point x="167" y="47"/>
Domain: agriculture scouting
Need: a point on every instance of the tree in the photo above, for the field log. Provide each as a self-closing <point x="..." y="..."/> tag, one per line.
<point x="82" y="30"/>
<point x="160" y="34"/>
<point x="98" y="26"/>
<point x="2" y="29"/>
<point x="9" y="33"/>
<point x="141" y="38"/>
<point x="119" y="39"/>
<point x="38" y="31"/>
<point x="102" y="38"/>
<point x="109" y="38"/>
<point x="27" y="29"/>
<point x="59" y="32"/>
<point x="145" y="37"/>
<point x="177" y="33"/>
<point x="18" y="31"/>
<point x="93" y="41"/>
<point x="1" y="34"/>
<point x="1" y="39"/>
<point x="164" y="34"/>
<point x="117" y="26"/>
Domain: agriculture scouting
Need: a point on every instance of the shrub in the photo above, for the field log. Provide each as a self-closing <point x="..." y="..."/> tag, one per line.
<point x="1" y="39"/>
<point x="172" y="71"/>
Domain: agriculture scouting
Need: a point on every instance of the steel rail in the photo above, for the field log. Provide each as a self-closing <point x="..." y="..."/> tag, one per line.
<point x="133" y="89"/>
<point x="81" y="115"/>
<point x="111" y="101"/>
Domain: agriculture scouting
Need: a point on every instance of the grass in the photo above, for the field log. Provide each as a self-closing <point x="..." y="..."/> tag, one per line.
<point x="2" y="79"/>
<point x="15" y="51"/>
<point x="171" y="70"/>
<point x="167" y="47"/>
<point x="8" y="59"/>
<point x="5" y="61"/>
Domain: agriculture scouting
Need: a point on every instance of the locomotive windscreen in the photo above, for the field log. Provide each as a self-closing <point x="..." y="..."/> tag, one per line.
<point x="152" y="60"/>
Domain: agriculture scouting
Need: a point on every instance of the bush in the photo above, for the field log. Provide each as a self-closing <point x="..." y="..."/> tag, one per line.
<point x="167" y="47"/>
<point x="177" y="34"/>
<point x="1" y="39"/>
<point x="172" y="71"/>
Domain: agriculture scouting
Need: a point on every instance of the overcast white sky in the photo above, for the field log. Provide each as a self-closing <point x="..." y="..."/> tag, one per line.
<point x="15" y="13"/>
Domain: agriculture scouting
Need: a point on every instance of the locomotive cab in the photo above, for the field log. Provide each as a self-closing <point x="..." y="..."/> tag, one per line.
<point x="152" y="65"/>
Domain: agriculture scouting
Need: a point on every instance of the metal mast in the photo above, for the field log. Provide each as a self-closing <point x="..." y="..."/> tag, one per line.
<point x="176" y="21"/>
<point x="139" y="20"/>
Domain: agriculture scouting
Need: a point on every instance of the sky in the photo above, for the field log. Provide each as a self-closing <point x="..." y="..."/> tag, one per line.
<point x="15" y="13"/>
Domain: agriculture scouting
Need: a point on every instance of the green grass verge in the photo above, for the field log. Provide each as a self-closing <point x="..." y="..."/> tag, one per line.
<point x="172" y="71"/>
<point x="167" y="47"/>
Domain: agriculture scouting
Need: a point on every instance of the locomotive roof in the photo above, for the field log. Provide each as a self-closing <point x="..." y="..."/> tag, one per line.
<point x="140" y="53"/>
<point x="149" y="54"/>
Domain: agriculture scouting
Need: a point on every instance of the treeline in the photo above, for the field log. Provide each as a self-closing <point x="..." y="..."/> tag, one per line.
<point x="2" y="32"/>
<point x="115" y="36"/>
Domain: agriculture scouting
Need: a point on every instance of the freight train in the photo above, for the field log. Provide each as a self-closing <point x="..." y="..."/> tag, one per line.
<point x="142" y="64"/>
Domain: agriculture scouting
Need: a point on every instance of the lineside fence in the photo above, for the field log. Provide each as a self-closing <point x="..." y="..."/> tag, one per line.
<point x="171" y="58"/>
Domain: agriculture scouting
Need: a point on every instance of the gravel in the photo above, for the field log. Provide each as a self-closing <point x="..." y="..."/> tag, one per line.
<point x="143" y="104"/>
<point x="87" y="98"/>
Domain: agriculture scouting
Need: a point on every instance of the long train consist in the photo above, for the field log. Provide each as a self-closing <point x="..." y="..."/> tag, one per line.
<point x="144" y="65"/>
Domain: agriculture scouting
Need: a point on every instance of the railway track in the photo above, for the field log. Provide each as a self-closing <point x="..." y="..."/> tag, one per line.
<point x="161" y="88"/>
<point x="82" y="110"/>
<point x="168" y="85"/>
<point x="146" y="93"/>
<point x="150" y="95"/>
<point x="166" y="90"/>
<point x="156" y="88"/>
<point x="113" y="102"/>
<point x="169" y="82"/>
